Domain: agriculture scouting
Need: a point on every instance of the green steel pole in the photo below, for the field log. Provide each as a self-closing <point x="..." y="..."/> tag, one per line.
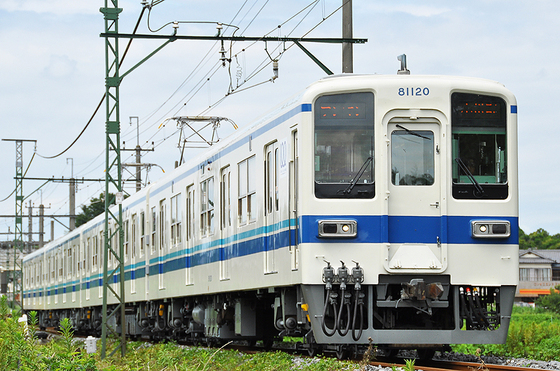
<point x="113" y="184"/>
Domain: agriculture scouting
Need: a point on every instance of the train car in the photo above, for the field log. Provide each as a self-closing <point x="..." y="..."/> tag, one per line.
<point x="365" y="208"/>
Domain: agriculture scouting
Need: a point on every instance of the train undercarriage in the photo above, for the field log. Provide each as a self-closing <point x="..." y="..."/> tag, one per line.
<point x="401" y="312"/>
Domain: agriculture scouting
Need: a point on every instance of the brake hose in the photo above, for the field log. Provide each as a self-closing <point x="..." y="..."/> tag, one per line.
<point x="326" y="330"/>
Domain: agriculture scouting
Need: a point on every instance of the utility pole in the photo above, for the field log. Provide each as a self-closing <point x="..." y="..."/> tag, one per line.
<point x="30" y="225"/>
<point x="41" y="225"/>
<point x="72" y="198"/>
<point x="347" y="48"/>
<point x="138" y="149"/>
<point x="18" y="232"/>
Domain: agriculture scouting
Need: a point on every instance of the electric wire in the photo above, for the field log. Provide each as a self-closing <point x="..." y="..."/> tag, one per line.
<point x="259" y="68"/>
<point x="24" y="174"/>
<point x="215" y="68"/>
<point x="102" y="99"/>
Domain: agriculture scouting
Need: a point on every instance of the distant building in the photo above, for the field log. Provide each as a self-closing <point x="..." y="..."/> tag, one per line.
<point x="539" y="271"/>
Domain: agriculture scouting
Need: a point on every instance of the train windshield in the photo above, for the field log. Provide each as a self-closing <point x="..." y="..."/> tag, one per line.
<point x="479" y="146"/>
<point x="344" y="146"/>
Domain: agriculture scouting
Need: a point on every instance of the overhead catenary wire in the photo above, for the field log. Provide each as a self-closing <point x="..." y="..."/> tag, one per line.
<point x="102" y="99"/>
<point x="215" y="68"/>
<point x="257" y="70"/>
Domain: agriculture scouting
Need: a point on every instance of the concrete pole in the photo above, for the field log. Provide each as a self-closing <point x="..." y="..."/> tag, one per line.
<point x="72" y="204"/>
<point x="72" y="198"/>
<point x="30" y="227"/>
<point x="347" y="48"/>
<point x="41" y="225"/>
<point x="138" y="168"/>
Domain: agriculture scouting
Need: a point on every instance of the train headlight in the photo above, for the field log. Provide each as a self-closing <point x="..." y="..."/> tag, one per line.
<point x="338" y="228"/>
<point x="490" y="229"/>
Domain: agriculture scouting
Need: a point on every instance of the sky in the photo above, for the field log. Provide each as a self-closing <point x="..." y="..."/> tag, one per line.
<point x="52" y="70"/>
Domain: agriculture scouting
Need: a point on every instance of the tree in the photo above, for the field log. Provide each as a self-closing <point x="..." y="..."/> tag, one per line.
<point x="540" y="239"/>
<point x="96" y="207"/>
<point x="550" y="302"/>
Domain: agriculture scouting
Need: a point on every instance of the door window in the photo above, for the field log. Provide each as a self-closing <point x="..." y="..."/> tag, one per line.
<point x="412" y="157"/>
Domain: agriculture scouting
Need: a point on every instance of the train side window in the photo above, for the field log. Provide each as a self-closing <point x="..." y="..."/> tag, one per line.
<point x="207" y="207"/>
<point x="344" y="146"/>
<point x="60" y="265"/>
<point x="479" y="156"/>
<point x="247" y="190"/>
<point x="126" y="239"/>
<point x="69" y="262"/>
<point x="176" y="219"/>
<point x="153" y="231"/>
<point x="95" y="254"/>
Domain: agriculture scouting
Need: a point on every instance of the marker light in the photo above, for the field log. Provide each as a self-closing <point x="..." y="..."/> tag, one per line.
<point x="490" y="229"/>
<point x="338" y="228"/>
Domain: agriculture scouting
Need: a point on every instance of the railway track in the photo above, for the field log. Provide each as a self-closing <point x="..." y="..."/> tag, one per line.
<point x="452" y="365"/>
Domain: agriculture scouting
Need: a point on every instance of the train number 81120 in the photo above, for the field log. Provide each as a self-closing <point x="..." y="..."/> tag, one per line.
<point x="417" y="92"/>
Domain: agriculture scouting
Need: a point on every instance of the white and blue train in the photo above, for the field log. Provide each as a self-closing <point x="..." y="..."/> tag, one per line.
<point x="366" y="207"/>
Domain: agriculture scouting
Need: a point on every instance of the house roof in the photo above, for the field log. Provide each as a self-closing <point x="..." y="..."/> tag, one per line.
<point x="531" y="256"/>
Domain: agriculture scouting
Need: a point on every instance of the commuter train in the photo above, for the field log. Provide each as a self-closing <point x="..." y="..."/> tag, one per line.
<point x="367" y="208"/>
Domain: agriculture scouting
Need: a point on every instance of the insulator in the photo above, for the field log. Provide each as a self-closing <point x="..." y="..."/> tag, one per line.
<point x="275" y="69"/>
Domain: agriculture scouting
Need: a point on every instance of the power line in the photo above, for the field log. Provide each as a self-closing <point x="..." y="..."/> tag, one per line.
<point x="102" y="99"/>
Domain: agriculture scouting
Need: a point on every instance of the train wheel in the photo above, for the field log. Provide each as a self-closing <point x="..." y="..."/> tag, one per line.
<point x="426" y="354"/>
<point x="313" y="350"/>
<point x="341" y="352"/>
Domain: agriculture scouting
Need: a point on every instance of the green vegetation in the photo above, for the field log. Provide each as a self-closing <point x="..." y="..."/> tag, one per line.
<point x="533" y="333"/>
<point x="96" y="207"/>
<point x="19" y="349"/>
<point x="540" y="239"/>
<point x="550" y="302"/>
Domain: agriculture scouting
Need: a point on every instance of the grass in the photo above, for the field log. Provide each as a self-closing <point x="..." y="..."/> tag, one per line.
<point x="533" y="334"/>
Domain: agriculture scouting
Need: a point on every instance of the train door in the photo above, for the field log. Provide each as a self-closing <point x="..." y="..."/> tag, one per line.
<point x="415" y="201"/>
<point x="225" y="223"/>
<point x="162" y="242"/>
<point x="191" y="232"/>
<point x="271" y="207"/>
<point x="293" y="197"/>
<point x="133" y="254"/>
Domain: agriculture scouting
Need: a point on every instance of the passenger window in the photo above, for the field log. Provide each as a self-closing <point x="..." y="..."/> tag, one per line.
<point x="479" y="146"/>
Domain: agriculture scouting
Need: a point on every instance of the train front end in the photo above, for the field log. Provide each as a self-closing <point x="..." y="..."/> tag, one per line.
<point x="408" y="211"/>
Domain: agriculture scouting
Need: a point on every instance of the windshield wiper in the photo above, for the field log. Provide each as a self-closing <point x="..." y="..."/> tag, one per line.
<point x="357" y="177"/>
<point x="466" y="170"/>
<point x="412" y="132"/>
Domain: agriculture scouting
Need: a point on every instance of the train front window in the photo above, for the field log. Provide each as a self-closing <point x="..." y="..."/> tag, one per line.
<point x="344" y="146"/>
<point x="479" y="147"/>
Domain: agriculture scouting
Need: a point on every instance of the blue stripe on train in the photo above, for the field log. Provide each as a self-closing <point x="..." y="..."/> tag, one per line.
<point x="371" y="229"/>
